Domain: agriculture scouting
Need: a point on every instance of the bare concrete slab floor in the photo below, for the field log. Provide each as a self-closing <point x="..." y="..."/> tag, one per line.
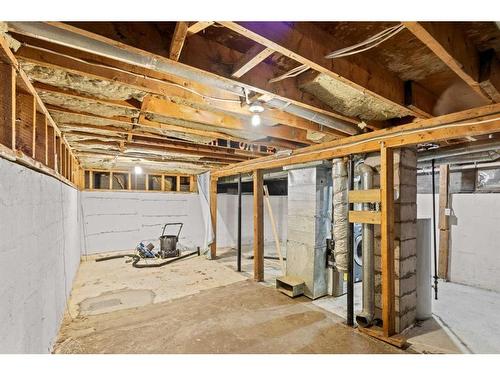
<point x="232" y="315"/>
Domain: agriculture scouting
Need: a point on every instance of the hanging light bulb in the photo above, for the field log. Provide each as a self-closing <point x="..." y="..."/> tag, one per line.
<point x="256" y="121"/>
<point x="137" y="169"/>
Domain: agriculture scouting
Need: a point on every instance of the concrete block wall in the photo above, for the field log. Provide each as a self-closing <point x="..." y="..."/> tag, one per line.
<point x="40" y="252"/>
<point x="405" y="237"/>
<point x="117" y="221"/>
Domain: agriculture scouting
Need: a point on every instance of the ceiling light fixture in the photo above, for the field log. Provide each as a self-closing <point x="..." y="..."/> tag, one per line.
<point x="256" y="107"/>
<point x="137" y="169"/>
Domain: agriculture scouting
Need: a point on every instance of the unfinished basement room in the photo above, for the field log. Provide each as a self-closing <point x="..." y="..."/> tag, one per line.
<point x="249" y="187"/>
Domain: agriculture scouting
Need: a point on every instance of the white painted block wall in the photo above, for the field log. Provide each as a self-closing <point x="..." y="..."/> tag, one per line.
<point x="117" y="221"/>
<point x="475" y="237"/>
<point x="40" y="255"/>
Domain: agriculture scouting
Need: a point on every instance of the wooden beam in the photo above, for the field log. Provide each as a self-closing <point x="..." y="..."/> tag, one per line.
<point x="364" y="196"/>
<point x="201" y="66"/>
<point x="258" y="225"/>
<point x="252" y="57"/>
<point x="58" y="154"/>
<point x="489" y="74"/>
<point x="25" y="122"/>
<point x="387" y="239"/>
<point x="305" y="43"/>
<point x="196" y="27"/>
<point x="41" y="138"/>
<point x="7" y="105"/>
<point x="180" y="34"/>
<point x="444" y="225"/>
<point x="448" y="42"/>
<point x="472" y="122"/>
<point x="213" y="216"/>
<point x="419" y="99"/>
<point x="51" y="147"/>
<point x="365" y="217"/>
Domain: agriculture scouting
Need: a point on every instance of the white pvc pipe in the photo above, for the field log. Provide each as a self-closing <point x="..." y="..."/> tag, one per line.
<point x="424" y="274"/>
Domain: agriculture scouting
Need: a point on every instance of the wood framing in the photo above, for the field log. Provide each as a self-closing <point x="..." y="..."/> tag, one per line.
<point x="444" y="225"/>
<point x="199" y="26"/>
<point x="213" y="216"/>
<point x="365" y="217"/>
<point x="25" y="123"/>
<point x="258" y="225"/>
<point x="387" y="238"/>
<point x="180" y="34"/>
<point x="305" y="43"/>
<point x="254" y="56"/>
<point x="477" y="121"/>
<point x="489" y="74"/>
<point x="449" y="42"/>
<point x="41" y="138"/>
<point x="364" y="196"/>
<point x="7" y="105"/>
<point x="51" y="147"/>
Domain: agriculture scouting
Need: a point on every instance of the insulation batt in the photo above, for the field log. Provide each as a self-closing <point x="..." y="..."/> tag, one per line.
<point x="340" y="224"/>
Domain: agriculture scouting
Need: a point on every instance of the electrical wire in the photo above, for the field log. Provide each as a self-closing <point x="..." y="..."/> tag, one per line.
<point x="367" y="44"/>
<point x="208" y="97"/>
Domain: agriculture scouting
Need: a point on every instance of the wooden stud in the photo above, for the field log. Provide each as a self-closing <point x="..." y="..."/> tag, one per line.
<point x="387" y="238"/>
<point x="7" y="106"/>
<point x="180" y="34"/>
<point x="213" y="215"/>
<point x="40" y="152"/>
<point x="258" y="225"/>
<point x="177" y="183"/>
<point x="365" y="217"/>
<point x="444" y="225"/>
<point x="364" y="196"/>
<point x="199" y="26"/>
<point x="452" y="126"/>
<point x="489" y="74"/>
<point x="254" y="56"/>
<point x="51" y="144"/>
<point x="25" y="123"/>
<point x="110" y="180"/>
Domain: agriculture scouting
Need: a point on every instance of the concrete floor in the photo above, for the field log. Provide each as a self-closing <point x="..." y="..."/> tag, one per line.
<point x="197" y="306"/>
<point x="201" y="306"/>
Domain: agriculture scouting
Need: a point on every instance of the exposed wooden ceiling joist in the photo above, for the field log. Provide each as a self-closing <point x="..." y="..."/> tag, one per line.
<point x="254" y="56"/>
<point x="448" y="42"/>
<point x="308" y="45"/>
<point x="180" y="34"/>
<point x="196" y="27"/>
<point x="291" y="93"/>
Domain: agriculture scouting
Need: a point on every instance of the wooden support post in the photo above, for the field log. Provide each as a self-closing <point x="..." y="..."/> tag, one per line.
<point x="7" y="106"/>
<point x="51" y="147"/>
<point x="213" y="214"/>
<point x="91" y="180"/>
<point x="177" y="183"/>
<point x="387" y="238"/>
<point x="57" y="155"/>
<point x="444" y="225"/>
<point x="258" y="225"/>
<point x="25" y="123"/>
<point x="192" y="183"/>
<point x="110" y="180"/>
<point x="162" y="182"/>
<point x="40" y="151"/>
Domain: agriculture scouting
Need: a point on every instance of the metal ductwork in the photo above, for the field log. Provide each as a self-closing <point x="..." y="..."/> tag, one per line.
<point x="448" y="152"/>
<point x="365" y="318"/>
<point x="55" y="34"/>
<point x="340" y="225"/>
<point x="477" y="157"/>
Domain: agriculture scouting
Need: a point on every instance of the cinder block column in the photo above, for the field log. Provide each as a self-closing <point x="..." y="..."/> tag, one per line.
<point x="405" y="237"/>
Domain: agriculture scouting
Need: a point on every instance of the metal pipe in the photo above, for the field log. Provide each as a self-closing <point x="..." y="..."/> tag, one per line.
<point x="477" y="157"/>
<point x="55" y="34"/>
<point x="350" y="247"/>
<point x="447" y="152"/>
<point x="239" y="224"/>
<point x="464" y="167"/>
<point x="365" y="318"/>
<point x="434" y="229"/>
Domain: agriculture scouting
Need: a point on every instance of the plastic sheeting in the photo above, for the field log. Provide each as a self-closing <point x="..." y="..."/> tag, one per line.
<point x="340" y="225"/>
<point x="203" y="181"/>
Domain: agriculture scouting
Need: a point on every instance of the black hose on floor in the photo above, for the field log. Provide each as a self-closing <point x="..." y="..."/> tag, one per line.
<point x="136" y="258"/>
